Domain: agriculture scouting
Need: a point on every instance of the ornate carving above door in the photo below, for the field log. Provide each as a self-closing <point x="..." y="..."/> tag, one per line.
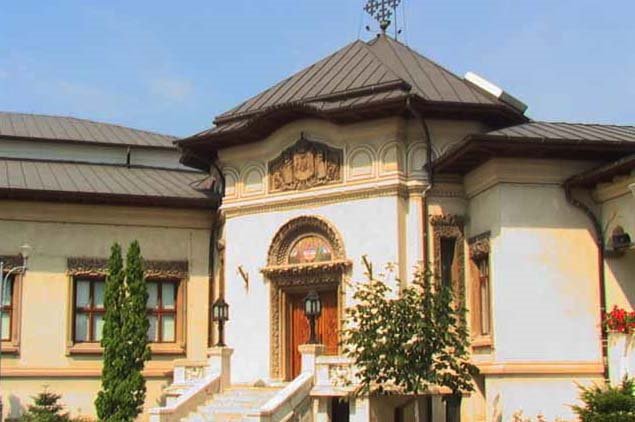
<point x="304" y="165"/>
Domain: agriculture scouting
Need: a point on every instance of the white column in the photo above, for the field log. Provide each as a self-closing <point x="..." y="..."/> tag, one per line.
<point x="359" y="409"/>
<point x="219" y="362"/>
<point x="309" y="353"/>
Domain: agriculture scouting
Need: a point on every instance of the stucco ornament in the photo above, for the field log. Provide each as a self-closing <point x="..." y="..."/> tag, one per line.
<point x="304" y="165"/>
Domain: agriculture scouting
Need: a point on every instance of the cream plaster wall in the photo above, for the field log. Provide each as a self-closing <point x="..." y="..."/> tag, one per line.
<point x="368" y="227"/>
<point x="59" y="231"/>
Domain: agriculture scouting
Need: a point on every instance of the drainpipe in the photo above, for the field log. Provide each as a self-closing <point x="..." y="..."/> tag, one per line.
<point x="424" y="199"/>
<point x="426" y="215"/>
<point x="599" y="241"/>
<point x="213" y="236"/>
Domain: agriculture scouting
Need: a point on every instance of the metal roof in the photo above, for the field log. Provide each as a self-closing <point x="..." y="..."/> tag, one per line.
<point x="568" y="132"/>
<point x="35" y="179"/>
<point x="548" y="140"/>
<point x="59" y="128"/>
<point x="361" y="81"/>
<point x="361" y="66"/>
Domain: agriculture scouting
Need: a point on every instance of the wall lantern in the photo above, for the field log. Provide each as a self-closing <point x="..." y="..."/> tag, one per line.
<point x="312" y="310"/>
<point x="220" y="314"/>
<point x="620" y="239"/>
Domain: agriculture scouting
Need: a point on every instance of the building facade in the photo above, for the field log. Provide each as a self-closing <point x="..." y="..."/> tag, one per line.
<point x="374" y="151"/>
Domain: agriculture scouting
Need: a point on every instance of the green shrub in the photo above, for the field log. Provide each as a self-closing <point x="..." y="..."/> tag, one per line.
<point x="45" y="408"/>
<point x="607" y="403"/>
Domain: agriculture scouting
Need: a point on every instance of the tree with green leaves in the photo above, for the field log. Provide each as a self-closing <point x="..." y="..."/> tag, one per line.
<point x="410" y="343"/>
<point x="45" y="408"/>
<point x="124" y="338"/>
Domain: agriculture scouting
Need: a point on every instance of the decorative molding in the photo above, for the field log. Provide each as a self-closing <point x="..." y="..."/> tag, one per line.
<point x="479" y="246"/>
<point x="286" y="236"/>
<point x="34" y="372"/>
<point x="284" y="277"/>
<point x="393" y="186"/>
<point x="98" y="267"/>
<point x="450" y="226"/>
<point x="304" y="165"/>
<point x="558" y="368"/>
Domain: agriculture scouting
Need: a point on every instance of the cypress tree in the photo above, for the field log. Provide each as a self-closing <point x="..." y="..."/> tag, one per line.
<point x="115" y="367"/>
<point x="124" y="338"/>
<point x="135" y="331"/>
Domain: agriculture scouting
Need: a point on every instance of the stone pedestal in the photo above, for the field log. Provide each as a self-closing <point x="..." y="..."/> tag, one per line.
<point x="219" y="362"/>
<point x="309" y="353"/>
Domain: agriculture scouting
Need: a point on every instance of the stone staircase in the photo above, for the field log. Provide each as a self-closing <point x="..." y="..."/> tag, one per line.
<point x="235" y="403"/>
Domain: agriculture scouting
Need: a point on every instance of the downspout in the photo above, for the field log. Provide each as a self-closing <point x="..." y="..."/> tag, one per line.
<point x="213" y="241"/>
<point x="425" y="244"/>
<point x="424" y="198"/>
<point x="599" y="241"/>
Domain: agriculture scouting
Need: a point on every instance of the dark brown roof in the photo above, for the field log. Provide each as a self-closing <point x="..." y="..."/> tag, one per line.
<point x="604" y="173"/>
<point x="97" y="183"/>
<point x="540" y="140"/>
<point x="363" y="77"/>
<point x="71" y="129"/>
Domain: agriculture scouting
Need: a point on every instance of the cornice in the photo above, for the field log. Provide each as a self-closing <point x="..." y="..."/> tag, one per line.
<point x="521" y="171"/>
<point x="540" y="368"/>
<point x="390" y="187"/>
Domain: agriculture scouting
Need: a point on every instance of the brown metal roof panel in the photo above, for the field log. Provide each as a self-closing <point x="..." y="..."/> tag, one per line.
<point x="31" y="175"/>
<point x="606" y="132"/>
<point x="16" y="178"/>
<point x="163" y="184"/>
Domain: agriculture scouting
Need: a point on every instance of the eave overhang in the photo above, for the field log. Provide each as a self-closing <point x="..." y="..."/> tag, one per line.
<point x="479" y="148"/>
<point x="603" y="174"/>
<point x="200" y="149"/>
<point x="212" y="202"/>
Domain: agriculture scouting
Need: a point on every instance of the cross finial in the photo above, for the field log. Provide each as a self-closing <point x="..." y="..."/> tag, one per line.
<point x="382" y="10"/>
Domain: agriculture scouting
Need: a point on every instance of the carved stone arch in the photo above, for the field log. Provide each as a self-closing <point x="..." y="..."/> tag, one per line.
<point x="253" y="180"/>
<point x="416" y="158"/>
<point x="232" y="177"/>
<point x="301" y="226"/>
<point x="355" y="162"/>
<point x="284" y="278"/>
<point x="391" y="158"/>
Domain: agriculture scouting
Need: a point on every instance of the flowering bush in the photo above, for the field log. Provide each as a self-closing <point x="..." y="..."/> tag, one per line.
<point x="410" y="343"/>
<point x="620" y="321"/>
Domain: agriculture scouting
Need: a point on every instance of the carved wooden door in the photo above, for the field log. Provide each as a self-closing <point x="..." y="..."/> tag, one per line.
<point x="298" y="333"/>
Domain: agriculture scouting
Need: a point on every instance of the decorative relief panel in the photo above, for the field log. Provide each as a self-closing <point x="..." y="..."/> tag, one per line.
<point x="98" y="267"/>
<point x="361" y="163"/>
<point x="450" y="226"/>
<point x="231" y="181"/>
<point x="479" y="246"/>
<point x="391" y="158"/>
<point x="10" y="262"/>
<point x="253" y="180"/>
<point x="304" y="165"/>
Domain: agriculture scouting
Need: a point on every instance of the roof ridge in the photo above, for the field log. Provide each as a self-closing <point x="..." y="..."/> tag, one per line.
<point x="81" y="119"/>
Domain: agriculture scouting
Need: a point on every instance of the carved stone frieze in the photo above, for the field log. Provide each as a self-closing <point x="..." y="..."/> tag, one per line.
<point x="479" y="246"/>
<point x="98" y="267"/>
<point x="304" y="165"/>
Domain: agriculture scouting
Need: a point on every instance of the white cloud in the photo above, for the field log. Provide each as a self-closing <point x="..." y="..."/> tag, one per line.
<point x="171" y="89"/>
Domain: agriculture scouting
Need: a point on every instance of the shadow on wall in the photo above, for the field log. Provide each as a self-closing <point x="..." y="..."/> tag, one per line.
<point x="16" y="408"/>
<point x="622" y="268"/>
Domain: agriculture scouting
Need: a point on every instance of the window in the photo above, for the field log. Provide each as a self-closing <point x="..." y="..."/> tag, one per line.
<point x="448" y="245"/>
<point x="483" y="326"/>
<point x="89" y="310"/>
<point x="162" y="300"/>
<point x="8" y="310"/>
<point x="310" y="249"/>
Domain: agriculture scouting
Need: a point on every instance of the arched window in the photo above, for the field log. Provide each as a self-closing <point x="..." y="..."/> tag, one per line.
<point x="310" y="249"/>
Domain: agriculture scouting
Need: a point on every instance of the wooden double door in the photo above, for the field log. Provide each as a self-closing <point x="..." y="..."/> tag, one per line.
<point x="298" y="328"/>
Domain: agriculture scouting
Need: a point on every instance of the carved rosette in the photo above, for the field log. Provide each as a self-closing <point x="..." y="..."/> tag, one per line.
<point x="98" y="267"/>
<point x="479" y="246"/>
<point x="304" y="165"/>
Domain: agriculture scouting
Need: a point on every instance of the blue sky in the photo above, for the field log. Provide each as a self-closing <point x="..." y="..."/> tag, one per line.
<point x="171" y="66"/>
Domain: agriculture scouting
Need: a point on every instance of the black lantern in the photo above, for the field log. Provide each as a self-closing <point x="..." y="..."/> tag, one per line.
<point x="220" y="314"/>
<point x="312" y="310"/>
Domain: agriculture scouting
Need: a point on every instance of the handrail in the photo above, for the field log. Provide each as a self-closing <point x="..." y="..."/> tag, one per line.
<point x="286" y="400"/>
<point x="188" y="402"/>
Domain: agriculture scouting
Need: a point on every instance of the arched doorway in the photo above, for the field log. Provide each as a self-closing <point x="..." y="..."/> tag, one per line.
<point x="307" y="253"/>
